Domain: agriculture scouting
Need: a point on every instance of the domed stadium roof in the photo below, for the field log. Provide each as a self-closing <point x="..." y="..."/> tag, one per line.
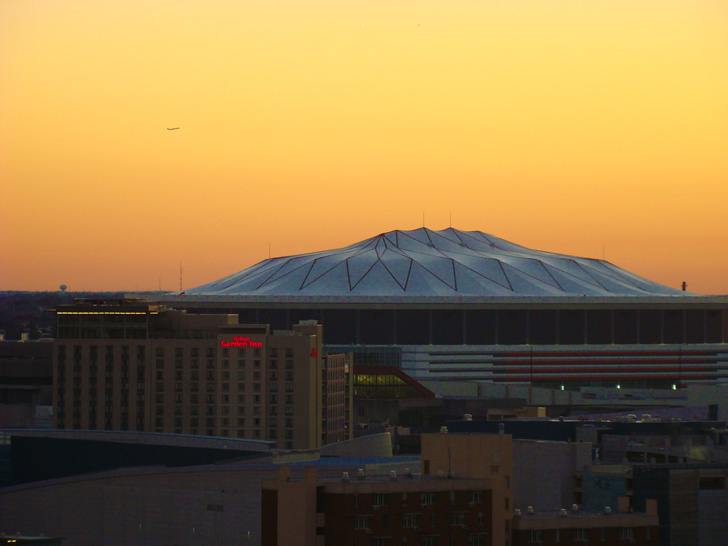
<point x="426" y="263"/>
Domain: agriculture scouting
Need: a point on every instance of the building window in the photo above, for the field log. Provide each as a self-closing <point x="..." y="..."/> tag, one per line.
<point x="380" y="541"/>
<point x="457" y="518"/>
<point x="477" y="539"/>
<point x="362" y="522"/>
<point x="625" y="533"/>
<point x="380" y="500"/>
<point x="535" y="536"/>
<point x="579" y="535"/>
<point x="411" y="521"/>
<point x="475" y="497"/>
<point x="427" y="498"/>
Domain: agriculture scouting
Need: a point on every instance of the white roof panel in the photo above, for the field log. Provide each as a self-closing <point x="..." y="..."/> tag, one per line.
<point x="423" y="262"/>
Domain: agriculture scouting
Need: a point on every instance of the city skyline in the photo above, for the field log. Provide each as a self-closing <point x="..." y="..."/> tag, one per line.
<point x="135" y="137"/>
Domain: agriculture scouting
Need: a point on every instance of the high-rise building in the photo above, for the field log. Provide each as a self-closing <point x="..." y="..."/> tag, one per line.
<point x="128" y="365"/>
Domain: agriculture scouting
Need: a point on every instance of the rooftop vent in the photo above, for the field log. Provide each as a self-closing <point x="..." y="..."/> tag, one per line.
<point x="443" y="430"/>
<point x="393" y="475"/>
<point x="360" y="474"/>
<point x="407" y="473"/>
<point x="529" y="510"/>
<point x="344" y="476"/>
<point x="574" y="507"/>
<point x="563" y="513"/>
<point x="517" y="513"/>
<point x="607" y="510"/>
<point x="468" y="417"/>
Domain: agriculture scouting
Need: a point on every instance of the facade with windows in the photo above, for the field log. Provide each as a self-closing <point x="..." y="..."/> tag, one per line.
<point x="125" y="365"/>
<point x="376" y="510"/>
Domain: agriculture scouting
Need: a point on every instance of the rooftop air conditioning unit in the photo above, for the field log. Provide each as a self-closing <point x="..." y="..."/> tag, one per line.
<point x="563" y="513"/>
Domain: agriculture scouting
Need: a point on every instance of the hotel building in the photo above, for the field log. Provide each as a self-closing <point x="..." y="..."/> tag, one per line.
<point x="128" y="365"/>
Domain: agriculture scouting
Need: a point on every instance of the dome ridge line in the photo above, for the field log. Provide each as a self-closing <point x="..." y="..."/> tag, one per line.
<point x="276" y="270"/>
<point x="486" y="277"/>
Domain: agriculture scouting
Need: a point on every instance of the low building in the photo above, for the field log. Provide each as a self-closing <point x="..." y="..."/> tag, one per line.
<point x="376" y="510"/>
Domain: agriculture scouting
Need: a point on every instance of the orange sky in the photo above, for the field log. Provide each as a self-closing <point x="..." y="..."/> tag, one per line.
<point x="585" y="128"/>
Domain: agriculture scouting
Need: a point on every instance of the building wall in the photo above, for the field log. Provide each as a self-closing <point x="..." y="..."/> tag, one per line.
<point x="712" y="510"/>
<point x="476" y="456"/>
<point x="689" y="496"/>
<point x="539" y="321"/>
<point x="544" y="473"/>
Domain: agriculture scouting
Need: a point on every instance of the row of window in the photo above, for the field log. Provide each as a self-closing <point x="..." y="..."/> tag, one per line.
<point x="427" y="498"/>
<point x="413" y="521"/>
<point x="474" y="539"/>
<point x="536" y="536"/>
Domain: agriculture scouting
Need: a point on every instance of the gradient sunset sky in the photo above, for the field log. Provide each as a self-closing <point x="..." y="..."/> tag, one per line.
<point x="592" y="128"/>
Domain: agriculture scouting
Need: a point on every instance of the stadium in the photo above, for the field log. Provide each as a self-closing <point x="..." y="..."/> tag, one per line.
<point x="456" y="305"/>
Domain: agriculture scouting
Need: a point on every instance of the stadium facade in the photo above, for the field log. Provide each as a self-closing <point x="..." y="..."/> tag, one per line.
<point x="463" y="305"/>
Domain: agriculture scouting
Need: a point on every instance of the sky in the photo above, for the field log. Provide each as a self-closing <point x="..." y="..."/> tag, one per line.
<point x="597" y="129"/>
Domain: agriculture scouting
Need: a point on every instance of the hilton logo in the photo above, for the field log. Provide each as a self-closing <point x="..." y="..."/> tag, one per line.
<point x="241" y="342"/>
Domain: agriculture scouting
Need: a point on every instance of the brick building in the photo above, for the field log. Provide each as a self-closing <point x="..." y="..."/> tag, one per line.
<point x="376" y="510"/>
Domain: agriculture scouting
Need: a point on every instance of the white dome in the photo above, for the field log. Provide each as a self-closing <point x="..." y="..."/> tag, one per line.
<point x="422" y="262"/>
